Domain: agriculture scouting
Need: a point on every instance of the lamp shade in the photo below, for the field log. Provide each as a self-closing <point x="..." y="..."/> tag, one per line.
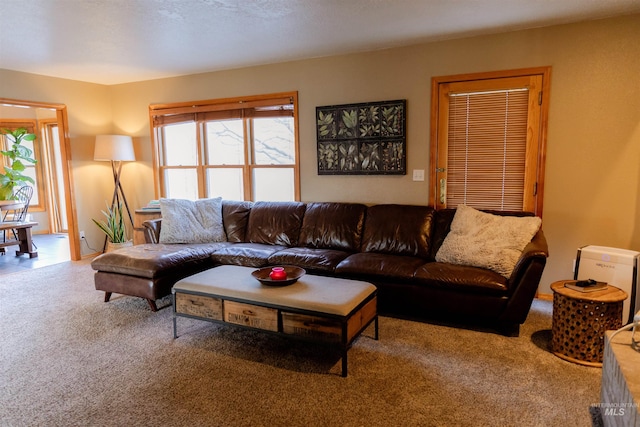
<point x="114" y="147"/>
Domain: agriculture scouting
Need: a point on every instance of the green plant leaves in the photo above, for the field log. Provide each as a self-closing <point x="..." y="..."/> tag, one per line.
<point x="348" y="124"/>
<point x="17" y="155"/>
<point x="361" y="121"/>
<point x="24" y="153"/>
<point x="17" y="166"/>
<point x="327" y="156"/>
<point x="390" y="120"/>
<point x="114" y="226"/>
<point x="366" y="138"/>
<point x="326" y="125"/>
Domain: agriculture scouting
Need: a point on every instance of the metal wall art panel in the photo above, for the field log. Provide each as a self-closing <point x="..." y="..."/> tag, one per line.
<point x="362" y="139"/>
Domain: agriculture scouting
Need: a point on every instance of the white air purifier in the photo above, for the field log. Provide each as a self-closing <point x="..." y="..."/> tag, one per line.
<point x="617" y="267"/>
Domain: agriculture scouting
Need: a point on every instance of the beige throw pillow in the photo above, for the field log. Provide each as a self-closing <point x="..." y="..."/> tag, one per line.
<point x="480" y="239"/>
<point x="186" y="221"/>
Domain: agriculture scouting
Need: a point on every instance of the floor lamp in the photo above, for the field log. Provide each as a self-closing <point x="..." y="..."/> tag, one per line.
<point x="116" y="149"/>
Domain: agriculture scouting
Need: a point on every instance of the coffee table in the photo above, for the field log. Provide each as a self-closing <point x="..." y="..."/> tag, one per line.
<point x="315" y="308"/>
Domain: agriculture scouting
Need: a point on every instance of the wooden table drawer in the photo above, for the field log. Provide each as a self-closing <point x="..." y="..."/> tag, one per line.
<point x="251" y="315"/>
<point x="197" y="305"/>
<point x="362" y="317"/>
<point x="319" y="328"/>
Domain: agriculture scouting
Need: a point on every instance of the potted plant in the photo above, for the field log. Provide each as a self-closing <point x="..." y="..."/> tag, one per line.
<point x="114" y="227"/>
<point x="17" y="155"/>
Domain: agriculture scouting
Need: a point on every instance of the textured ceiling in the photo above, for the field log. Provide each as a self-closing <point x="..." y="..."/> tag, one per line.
<point x="118" y="41"/>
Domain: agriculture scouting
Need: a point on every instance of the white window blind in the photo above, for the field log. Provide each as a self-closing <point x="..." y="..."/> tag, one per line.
<point x="487" y="141"/>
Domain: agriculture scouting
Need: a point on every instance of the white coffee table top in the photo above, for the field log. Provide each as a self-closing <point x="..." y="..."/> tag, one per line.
<point x="315" y="293"/>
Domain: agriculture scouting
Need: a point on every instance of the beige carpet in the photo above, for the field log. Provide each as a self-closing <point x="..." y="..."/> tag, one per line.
<point x="69" y="359"/>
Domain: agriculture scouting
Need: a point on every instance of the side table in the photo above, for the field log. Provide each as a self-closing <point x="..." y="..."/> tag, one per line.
<point x="140" y="216"/>
<point x="580" y="320"/>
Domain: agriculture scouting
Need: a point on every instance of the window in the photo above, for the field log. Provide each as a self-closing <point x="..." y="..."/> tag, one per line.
<point x="238" y="149"/>
<point x="33" y="171"/>
<point x="488" y="134"/>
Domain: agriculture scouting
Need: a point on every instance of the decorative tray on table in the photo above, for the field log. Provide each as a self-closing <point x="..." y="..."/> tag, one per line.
<point x="278" y="275"/>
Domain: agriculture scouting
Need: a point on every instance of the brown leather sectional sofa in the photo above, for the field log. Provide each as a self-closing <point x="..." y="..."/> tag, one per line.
<point x="391" y="246"/>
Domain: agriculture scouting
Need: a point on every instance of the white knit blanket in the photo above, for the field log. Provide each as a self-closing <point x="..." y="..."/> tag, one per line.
<point x="489" y="241"/>
<point x="186" y="221"/>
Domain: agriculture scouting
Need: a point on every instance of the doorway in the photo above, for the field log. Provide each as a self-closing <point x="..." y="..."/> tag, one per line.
<point x="56" y="155"/>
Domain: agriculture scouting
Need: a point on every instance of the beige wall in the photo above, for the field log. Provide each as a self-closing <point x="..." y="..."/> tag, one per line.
<point x="592" y="167"/>
<point x="89" y="113"/>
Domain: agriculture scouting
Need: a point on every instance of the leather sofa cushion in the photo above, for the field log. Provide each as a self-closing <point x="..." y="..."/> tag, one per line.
<point x="154" y="260"/>
<point x="247" y="254"/>
<point x="309" y="258"/>
<point x="275" y="223"/>
<point x="368" y="265"/>
<point x="333" y="226"/>
<point x="462" y="278"/>
<point x="235" y="217"/>
<point x="398" y="230"/>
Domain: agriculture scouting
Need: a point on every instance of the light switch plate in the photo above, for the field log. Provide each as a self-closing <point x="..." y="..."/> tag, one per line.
<point x="418" y="174"/>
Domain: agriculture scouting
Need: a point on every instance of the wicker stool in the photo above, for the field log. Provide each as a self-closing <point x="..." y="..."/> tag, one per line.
<point x="580" y="320"/>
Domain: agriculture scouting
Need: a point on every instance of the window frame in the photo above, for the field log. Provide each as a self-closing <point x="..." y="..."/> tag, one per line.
<point x="36" y="127"/>
<point x="484" y="81"/>
<point x="226" y="108"/>
<point x="55" y="189"/>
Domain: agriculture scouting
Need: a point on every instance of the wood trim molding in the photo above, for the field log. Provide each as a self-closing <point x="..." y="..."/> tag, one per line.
<point x="65" y="152"/>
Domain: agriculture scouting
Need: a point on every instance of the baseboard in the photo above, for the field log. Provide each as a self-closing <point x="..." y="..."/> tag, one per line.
<point x="93" y="255"/>
<point x="545" y="297"/>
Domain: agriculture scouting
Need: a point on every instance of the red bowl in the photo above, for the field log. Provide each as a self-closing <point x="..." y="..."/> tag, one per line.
<point x="293" y="274"/>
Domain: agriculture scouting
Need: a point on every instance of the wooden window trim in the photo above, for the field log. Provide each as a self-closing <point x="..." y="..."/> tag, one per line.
<point x="270" y="105"/>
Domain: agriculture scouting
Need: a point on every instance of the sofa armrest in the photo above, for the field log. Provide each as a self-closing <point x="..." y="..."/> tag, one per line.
<point x="525" y="278"/>
<point x="537" y="248"/>
<point x="152" y="230"/>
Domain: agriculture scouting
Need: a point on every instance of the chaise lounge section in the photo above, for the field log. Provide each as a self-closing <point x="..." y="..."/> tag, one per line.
<point x="395" y="247"/>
